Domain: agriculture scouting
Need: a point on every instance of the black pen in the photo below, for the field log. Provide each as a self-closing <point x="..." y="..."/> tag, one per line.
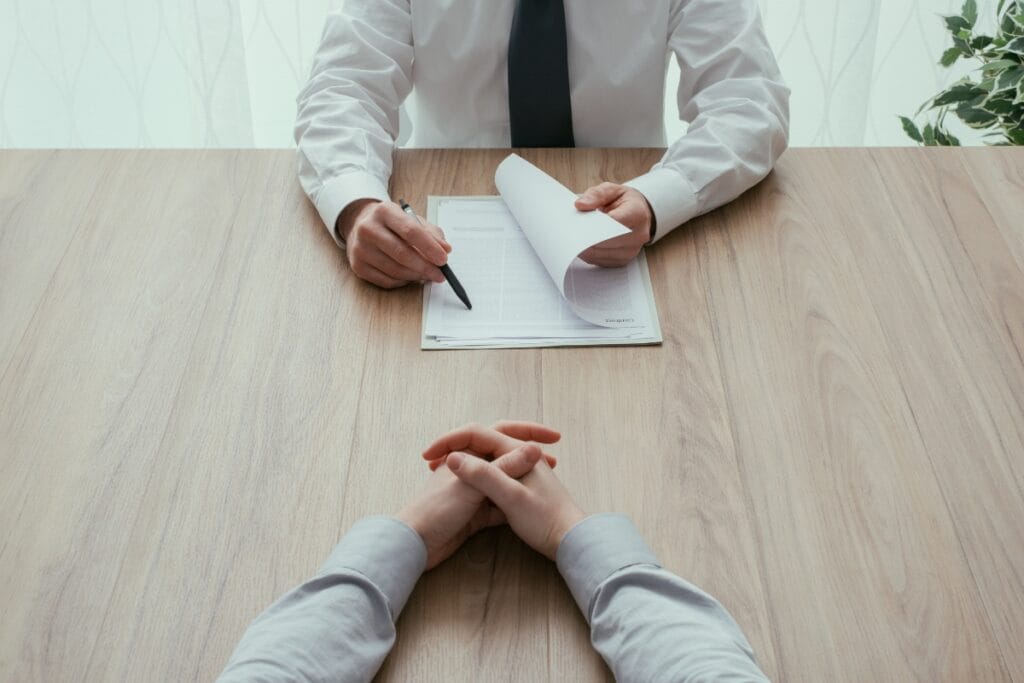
<point x="445" y="270"/>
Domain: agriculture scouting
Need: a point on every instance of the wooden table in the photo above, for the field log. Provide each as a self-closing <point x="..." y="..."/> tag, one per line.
<point x="197" y="399"/>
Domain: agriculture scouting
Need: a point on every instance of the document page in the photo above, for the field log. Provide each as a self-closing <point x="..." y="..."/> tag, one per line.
<point x="527" y="285"/>
<point x="558" y="232"/>
<point x="512" y="293"/>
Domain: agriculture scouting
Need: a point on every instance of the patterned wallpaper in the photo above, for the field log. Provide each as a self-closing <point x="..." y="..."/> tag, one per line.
<point x="224" y="73"/>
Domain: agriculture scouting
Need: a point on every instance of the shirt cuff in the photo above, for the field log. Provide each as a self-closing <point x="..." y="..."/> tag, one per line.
<point x="672" y="198"/>
<point x="387" y="552"/>
<point x="341" y="191"/>
<point x="595" y="549"/>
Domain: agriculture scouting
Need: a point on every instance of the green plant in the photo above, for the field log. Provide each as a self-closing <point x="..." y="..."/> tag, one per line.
<point x="990" y="99"/>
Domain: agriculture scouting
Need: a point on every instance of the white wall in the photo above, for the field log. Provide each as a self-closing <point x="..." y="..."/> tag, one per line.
<point x="224" y="73"/>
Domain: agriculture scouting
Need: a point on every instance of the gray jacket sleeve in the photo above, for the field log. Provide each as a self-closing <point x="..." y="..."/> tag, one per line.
<point x="647" y="623"/>
<point x="339" y="625"/>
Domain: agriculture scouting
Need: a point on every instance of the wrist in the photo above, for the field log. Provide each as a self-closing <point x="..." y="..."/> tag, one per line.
<point x="412" y="519"/>
<point x="566" y="520"/>
<point x="652" y="221"/>
<point x="350" y="215"/>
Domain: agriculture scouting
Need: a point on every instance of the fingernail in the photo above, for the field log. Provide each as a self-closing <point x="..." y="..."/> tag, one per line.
<point x="455" y="460"/>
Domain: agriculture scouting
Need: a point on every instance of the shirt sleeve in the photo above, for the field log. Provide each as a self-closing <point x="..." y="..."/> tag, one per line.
<point x="732" y="96"/>
<point x="647" y="623"/>
<point x="339" y="625"/>
<point x="348" y="117"/>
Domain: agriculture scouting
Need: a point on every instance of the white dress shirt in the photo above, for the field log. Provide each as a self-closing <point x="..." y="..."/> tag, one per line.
<point x="450" y="58"/>
<point x="647" y="623"/>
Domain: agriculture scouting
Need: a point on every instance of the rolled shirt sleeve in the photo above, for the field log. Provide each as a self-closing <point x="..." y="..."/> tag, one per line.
<point x="733" y="98"/>
<point x="339" y="625"/>
<point x="348" y="116"/>
<point x="647" y="623"/>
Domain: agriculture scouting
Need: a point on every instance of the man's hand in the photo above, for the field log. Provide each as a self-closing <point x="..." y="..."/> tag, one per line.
<point x="390" y="248"/>
<point x="537" y="507"/>
<point x="627" y="206"/>
<point x="504" y="437"/>
<point x="446" y="511"/>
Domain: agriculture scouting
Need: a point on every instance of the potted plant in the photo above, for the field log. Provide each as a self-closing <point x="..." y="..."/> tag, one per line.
<point x="991" y="98"/>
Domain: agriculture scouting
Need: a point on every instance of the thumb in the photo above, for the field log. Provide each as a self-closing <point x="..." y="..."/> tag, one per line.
<point x="520" y="461"/>
<point x="438" y="235"/>
<point x="598" y="196"/>
<point x="485" y="478"/>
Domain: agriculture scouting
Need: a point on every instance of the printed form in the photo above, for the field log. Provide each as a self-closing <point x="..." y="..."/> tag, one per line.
<point x="516" y="256"/>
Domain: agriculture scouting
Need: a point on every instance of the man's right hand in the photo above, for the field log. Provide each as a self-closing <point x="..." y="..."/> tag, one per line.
<point x="388" y="247"/>
<point x="537" y="507"/>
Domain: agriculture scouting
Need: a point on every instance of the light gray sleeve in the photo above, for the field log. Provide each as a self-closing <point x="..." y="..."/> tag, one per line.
<point x="647" y="623"/>
<point x="339" y="625"/>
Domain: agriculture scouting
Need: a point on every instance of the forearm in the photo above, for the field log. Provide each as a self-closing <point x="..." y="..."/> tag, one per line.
<point x="339" y="625"/>
<point x="737" y="107"/>
<point x="347" y="119"/>
<point x="647" y="623"/>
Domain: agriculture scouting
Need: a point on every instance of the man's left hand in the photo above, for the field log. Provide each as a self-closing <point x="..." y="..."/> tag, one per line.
<point x="627" y="206"/>
<point x="446" y="511"/>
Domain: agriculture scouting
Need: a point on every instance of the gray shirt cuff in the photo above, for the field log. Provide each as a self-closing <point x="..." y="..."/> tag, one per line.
<point x="595" y="549"/>
<point x="387" y="552"/>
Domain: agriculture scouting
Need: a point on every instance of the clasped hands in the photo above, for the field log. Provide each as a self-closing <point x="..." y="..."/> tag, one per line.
<point x="389" y="248"/>
<point x="483" y="477"/>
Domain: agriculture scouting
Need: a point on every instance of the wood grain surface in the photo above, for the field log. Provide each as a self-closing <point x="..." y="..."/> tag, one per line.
<point x="197" y="399"/>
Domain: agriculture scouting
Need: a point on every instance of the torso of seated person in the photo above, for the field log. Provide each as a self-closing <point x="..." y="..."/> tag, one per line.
<point x="447" y="62"/>
<point x="617" y="59"/>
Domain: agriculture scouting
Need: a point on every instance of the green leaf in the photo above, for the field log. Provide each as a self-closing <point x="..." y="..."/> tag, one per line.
<point x="1010" y="78"/>
<point x="997" y="65"/>
<point x="970" y="12"/>
<point x="944" y="138"/>
<point x="911" y="130"/>
<point x="950" y="56"/>
<point x="963" y="46"/>
<point x="981" y="42"/>
<point x="929" y="135"/>
<point x="1015" y="135"/>
<point x="1016" y="46"/>
<point x="963" y="92"/>
<point x="974" y="116"/>
<point x="955" y="24"/>
<point x="1000" y="105"/>
<point x="1007" y="25"/>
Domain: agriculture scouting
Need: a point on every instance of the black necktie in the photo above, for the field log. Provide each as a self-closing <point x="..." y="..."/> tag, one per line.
<point x="540" y="113"/>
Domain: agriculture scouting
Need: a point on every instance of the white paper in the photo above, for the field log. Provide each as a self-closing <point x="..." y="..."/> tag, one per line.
<point x="559" y="233"/>
<point x="527" y="286"/>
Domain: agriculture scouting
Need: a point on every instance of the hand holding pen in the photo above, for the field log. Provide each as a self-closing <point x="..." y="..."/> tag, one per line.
<point x="445" y="269"/>
<point x="389" y="248"/>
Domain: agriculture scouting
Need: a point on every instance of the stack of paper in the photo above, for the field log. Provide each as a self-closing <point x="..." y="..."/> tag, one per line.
<point x="516" y="256"/>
